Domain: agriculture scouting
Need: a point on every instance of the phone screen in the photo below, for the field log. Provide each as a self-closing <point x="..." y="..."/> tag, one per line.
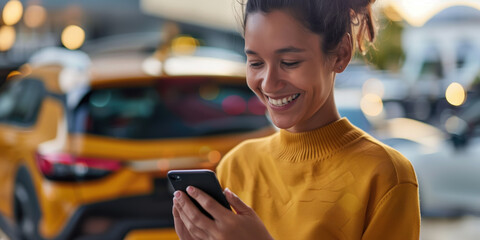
<point x="204" y="180"/>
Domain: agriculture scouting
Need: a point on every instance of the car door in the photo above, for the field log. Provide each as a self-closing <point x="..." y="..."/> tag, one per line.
<point x="9" y="94"/>
<point x="19" y="104"/>
<point x="468" y="174"/>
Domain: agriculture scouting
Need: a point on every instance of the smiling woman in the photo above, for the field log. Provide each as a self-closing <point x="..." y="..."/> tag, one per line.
<point x="319" y="177"/>
<point x="286" y="74"/>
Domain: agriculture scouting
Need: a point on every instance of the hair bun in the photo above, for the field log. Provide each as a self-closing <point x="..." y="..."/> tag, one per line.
<point x="363" y="20"/>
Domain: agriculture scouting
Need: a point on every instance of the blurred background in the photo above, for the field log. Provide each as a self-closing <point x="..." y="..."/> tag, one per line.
<point x="99" y="99"/>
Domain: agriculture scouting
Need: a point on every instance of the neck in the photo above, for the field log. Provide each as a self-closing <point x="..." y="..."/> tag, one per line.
<point x="317" y="144"/>
<point x="327" y="114"/>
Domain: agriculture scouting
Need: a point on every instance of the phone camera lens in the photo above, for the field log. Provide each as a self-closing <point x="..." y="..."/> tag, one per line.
<point x="175" y="177"/>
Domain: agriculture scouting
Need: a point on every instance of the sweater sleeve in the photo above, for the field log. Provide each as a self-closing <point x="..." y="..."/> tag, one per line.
<point x="396" y="216"/>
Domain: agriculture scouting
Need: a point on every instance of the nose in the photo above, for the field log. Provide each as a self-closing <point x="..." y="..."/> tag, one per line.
<point x="271" y="81"/>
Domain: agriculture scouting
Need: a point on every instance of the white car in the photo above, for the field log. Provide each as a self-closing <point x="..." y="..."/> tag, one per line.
<point x="447" y="166"/>
<point x="447" y="163"/>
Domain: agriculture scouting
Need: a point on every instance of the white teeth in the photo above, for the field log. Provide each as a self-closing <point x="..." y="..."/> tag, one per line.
<point x="283" y="101"/>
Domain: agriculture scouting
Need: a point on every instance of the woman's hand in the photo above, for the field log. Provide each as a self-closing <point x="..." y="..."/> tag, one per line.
<point x="191" y="224"/>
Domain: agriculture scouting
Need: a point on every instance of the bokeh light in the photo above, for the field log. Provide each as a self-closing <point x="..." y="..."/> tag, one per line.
<point x="204" y="150"/>
<point x="73" y="37"/>
<point x="455" y="94"/>
<point x="373" y="86"/>
<point x="100" y="99"/>
<point x="209" y="92"/>
<point x="7" y="37"/>
<point x="214" y="156"/>
<point x="371" y="104"/>
<point x="152" y="66"/>
<point x="12" y="12"/>
<point x="392" y="14"/>
<point x="455" y="125"/>
<point x="234" y="105"/>
<point x="184" y="45"/>
<point x="35" y="16"/>
<point x="256" y="107"/>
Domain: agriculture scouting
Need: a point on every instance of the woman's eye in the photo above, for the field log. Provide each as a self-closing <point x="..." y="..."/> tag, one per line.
<point x="256" y="64"/>
<point x="291" y="63"/>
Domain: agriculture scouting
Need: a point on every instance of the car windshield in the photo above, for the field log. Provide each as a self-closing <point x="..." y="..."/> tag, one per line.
<point x="173" y="108"/>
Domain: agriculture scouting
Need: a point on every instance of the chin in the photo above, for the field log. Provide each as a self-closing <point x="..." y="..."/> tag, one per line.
<point x="283" y="123"/>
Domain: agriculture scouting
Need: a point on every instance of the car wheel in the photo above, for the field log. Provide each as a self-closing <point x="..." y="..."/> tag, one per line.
<point x="27" y="213"/>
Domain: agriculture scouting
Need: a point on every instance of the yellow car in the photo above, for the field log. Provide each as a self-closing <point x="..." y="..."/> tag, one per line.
<point x="85" y="145"/>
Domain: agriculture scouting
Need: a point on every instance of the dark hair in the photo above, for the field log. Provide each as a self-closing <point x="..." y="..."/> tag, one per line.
<point x="330" y="18"/>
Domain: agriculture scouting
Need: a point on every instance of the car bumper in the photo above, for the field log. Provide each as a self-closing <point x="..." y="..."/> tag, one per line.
<point x="116" y="219"/>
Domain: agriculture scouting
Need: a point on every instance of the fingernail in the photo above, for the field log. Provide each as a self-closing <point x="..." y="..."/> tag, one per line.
<point x="191" y="190"/>
<point x="230" y="192"/>
<point x="177" y="194"/>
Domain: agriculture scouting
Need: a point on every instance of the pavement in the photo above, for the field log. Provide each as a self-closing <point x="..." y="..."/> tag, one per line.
<point x="462" y="228"/>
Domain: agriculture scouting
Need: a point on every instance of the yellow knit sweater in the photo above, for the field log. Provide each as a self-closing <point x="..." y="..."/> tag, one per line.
<point x="335" y="182"/>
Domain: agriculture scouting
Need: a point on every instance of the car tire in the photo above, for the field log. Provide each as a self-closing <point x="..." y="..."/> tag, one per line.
<point x="27" y="210"/>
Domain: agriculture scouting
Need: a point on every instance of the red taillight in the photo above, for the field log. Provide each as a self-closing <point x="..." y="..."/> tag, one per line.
<point x="44" y="165"/>
<point x="63" y="166"/>
<point x="110" y="165"/>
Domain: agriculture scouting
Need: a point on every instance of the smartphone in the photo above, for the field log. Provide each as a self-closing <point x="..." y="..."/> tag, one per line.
<point x="203" y="179"/>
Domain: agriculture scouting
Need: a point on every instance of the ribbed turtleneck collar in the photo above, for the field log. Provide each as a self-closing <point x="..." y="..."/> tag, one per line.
<point x="318" y="144"/>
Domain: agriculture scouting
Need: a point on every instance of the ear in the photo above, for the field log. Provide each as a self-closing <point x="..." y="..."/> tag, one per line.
<point x="343" y="53"/>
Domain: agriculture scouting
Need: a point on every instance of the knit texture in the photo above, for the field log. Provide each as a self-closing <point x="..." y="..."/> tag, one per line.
<point x="335" y="182"/>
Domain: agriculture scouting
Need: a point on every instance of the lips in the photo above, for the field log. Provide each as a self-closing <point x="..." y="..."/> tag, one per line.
<point x="279" y="102"/>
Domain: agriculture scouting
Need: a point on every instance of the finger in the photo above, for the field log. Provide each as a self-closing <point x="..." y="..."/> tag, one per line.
<point x="208" y="203"/>
<point x="180" y="228"/>
<point x="193" y="230"/>
<point x="237" y="204"/>
<point x="192" y="211"/>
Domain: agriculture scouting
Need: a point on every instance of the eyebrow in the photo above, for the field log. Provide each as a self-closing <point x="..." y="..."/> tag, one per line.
<point x="289" y="49"/>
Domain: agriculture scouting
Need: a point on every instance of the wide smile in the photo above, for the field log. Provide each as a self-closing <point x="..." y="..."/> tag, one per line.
<point x="281" y="102"/>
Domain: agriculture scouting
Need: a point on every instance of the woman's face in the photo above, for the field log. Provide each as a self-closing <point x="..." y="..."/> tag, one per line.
<point x="289" y="72"/>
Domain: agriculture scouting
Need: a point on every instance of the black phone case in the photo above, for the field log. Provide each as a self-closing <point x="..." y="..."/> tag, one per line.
<point x="205" y="180"/>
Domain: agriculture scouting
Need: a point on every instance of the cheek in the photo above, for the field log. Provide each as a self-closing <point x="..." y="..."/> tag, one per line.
<point x="308" y="80"/>
<point x="318" y="77"/>
<point x="316" y="84"/>
<point x="252" y="81"/>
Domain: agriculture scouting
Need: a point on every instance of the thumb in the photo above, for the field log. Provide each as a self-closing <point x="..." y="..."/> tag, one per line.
<point x="240" y="207"/>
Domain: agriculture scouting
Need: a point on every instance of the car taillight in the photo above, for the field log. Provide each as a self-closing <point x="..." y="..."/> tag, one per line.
<point x="67" y="167"/>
